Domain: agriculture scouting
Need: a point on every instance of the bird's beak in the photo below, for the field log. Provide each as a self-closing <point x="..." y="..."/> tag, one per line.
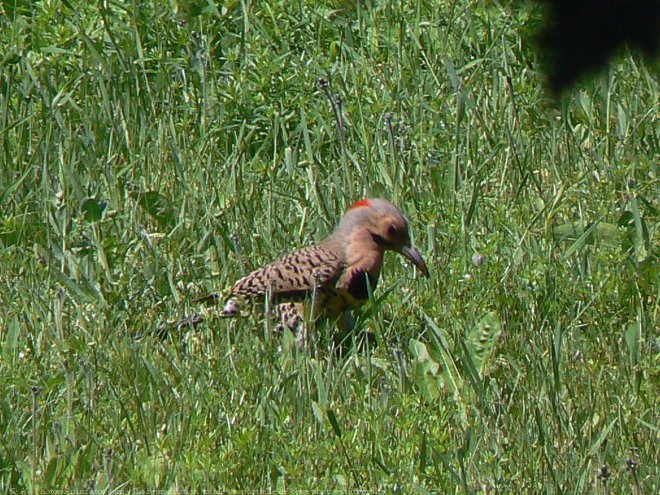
<point x="413" y="254"/>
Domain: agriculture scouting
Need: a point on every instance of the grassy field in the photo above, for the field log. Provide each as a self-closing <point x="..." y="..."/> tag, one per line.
<point x="152" y="152"/>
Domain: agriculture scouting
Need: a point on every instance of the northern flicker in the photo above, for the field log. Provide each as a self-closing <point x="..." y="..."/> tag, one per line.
<point x="331" y="277"/>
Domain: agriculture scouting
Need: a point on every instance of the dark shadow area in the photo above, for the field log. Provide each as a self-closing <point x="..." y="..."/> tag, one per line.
<point x="581" y="36"/>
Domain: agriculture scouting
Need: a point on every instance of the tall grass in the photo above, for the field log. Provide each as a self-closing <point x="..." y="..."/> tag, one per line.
<point x="153" y="152"/>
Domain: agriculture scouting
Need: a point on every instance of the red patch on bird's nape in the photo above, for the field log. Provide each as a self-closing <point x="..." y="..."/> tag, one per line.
<point x="361" y="203"/>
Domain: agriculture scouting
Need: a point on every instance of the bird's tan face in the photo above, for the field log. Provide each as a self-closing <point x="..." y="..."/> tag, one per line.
<point x="391" y="232"/>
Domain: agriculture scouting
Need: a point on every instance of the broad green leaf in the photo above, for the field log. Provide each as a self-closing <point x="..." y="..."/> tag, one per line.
<point x="481" y="341"/>
<point x="93" y="209"/>
<point x="156" y="205"/>
<point x="333" y="422"/>
<point x="582" y="234"/>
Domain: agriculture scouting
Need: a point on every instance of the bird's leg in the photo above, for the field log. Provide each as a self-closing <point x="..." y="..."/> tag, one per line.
<point x="346" y="323"/>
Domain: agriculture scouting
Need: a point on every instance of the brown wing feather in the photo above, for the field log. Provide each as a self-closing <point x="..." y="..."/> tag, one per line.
<point x="296" y="273"/>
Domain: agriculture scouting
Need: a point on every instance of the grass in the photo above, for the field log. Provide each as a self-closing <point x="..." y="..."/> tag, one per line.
<point x="153" y="152"/>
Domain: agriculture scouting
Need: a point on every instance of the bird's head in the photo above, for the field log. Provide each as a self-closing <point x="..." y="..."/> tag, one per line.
<point x="386" y="225"/>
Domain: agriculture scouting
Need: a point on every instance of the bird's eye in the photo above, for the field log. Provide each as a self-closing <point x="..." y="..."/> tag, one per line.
<point x="392" y="230"/>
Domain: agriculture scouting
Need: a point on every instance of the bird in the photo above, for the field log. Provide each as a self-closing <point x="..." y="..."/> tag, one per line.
<point x="331" y="278"/>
